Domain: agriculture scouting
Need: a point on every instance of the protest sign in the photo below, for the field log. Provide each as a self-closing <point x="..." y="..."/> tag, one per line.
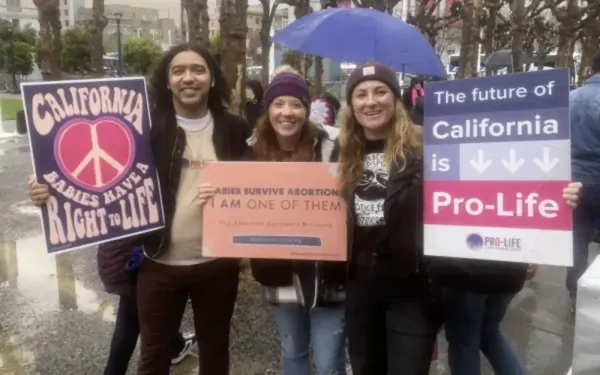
<point x="274" y="211"/>
<point x="496" y="159"/>
<point x="90" y="144"/>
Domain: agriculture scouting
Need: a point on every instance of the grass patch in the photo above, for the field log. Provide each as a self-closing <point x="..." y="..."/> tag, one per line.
<point x="9" y="108"/>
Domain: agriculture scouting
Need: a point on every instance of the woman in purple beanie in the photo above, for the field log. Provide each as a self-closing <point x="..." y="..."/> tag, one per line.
<point x="308" y="296"/>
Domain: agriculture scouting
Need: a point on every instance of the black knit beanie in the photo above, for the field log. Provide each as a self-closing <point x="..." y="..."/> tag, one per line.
<point x="372" y="71"/>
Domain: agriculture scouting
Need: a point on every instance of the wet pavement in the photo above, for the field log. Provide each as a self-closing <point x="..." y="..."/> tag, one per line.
<point x="56" y="319"/>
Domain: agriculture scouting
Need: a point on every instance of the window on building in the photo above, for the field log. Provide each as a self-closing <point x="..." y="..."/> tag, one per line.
<point x="67" y="23"/>
<point x="65" y="2"/>
<point x="143" y="17"/>
<point x="66" y="12"/>
<point x="13" y="3"/>
<point x="257" y="19"/>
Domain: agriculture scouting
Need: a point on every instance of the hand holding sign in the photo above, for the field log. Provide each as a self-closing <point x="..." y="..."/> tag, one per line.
<point x="38" y="193"/>
<point x="205" y="192"/>
<point x="572" y="193"/>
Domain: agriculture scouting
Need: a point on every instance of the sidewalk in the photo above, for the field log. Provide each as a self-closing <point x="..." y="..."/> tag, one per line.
<point x="8" y="127"/>
<point x="6" y="95"/>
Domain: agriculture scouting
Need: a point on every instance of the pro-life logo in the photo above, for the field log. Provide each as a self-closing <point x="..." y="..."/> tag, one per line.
<point x="94" y="155"/>
<point x="474" y="241"/>
<point x="477" y="242"/>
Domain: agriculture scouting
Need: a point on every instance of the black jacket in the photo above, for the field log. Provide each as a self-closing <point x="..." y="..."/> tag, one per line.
<point x="168" y="143"/>
<point x="479" y="276"/>
<point x="403" y="213"/>
<point x="417" y="112"/>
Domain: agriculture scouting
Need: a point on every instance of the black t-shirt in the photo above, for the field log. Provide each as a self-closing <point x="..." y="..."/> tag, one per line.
<point x="370" y="232"/>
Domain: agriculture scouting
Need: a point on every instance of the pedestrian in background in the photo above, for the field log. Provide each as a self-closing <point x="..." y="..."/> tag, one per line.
<point x="324" y="111"/>
<point x="584" y="108"/>
<point x="254" y="105"/>
<point x="417" y="113"/>
<point x="414" y="91"/>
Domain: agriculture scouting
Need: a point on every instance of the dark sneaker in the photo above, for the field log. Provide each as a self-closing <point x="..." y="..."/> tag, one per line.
<point x="573" y="305"/>
<point x="190" y="341"/>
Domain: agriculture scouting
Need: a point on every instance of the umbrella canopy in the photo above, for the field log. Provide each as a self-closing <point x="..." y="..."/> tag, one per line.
<point x="359" y="34"/>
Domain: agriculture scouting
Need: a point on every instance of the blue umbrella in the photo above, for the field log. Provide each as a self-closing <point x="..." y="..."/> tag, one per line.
<point x="359" y="34"/>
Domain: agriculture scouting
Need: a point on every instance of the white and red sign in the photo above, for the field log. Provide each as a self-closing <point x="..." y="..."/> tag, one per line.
<point x="496" y="159"/>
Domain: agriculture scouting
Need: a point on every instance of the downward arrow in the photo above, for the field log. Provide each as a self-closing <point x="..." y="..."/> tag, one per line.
<point x="513" y="164"/>
<point x="546" y="164"/>
<point x="481" y="164"/>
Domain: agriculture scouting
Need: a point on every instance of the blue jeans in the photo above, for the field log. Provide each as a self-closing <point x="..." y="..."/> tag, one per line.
<point x="325" y="326"/>
<point x="473" y="324"/>
<point x="585" y="220"/>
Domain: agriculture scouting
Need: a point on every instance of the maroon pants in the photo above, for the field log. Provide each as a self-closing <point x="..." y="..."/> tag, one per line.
<point x="163" y="292"/>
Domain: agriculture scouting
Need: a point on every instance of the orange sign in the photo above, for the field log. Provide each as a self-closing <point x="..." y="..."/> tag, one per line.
<point x="274" y="211"/>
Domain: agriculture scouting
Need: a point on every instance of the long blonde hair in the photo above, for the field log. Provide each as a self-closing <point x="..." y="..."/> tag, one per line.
<point x="404" y="141"/>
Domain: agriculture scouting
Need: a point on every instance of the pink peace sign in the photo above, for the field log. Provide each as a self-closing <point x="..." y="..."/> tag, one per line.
<point x="94" y="155"/>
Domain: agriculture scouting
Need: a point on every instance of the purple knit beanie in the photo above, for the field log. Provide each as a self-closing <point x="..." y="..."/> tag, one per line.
<point x="287" y="84"/>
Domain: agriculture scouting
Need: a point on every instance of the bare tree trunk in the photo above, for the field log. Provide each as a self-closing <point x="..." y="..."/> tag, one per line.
<point x="587" y="54"/>
<point x="490" y="26"/>
<point x="97" y="26"/>
<point x="50" y="38"/>
<point x="475" y="37"/>
<point x="198" y="20"/>
<point x="301" y="9"/>
<point x="540" y="54"/>
<point x="265" y="38"/>
<point x="318" y="83"/>
<point x="519" y="29"/>
<point x="182" y="22"/>
<point x="569" y="19"/>
<point x="466" y="39"/>
<point x="589" y="47"/>
<point x="233" y="49"/>
<point x="265" y="60"/>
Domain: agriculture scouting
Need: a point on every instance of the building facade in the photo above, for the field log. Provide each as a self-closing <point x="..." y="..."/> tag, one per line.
<point x="24" y="12"/>
<point x="135" y="22"/>
<point x="254" y="18"/>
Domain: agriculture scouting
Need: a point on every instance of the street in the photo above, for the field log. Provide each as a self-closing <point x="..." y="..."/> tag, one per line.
<point x="56" y="319"/>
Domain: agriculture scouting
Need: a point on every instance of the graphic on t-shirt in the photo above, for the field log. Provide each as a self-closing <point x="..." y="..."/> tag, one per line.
<point x="370" y="194"/>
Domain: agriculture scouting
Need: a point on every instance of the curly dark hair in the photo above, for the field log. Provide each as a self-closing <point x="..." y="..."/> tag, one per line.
<point x="162" y="98"/>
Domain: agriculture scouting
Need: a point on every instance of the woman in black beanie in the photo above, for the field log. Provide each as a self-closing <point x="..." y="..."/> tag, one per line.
<point x="393" y="308"/>
<point x="392" y="315"/>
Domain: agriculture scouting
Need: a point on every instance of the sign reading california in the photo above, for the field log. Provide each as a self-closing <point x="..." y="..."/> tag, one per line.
<point x="90" y="144"/>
